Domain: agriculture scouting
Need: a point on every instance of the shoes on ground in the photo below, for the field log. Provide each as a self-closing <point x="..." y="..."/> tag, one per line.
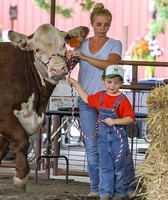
<point x="93" y="194"/>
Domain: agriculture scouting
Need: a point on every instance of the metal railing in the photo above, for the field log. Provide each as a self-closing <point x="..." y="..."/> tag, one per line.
<point x="134" y="85"/>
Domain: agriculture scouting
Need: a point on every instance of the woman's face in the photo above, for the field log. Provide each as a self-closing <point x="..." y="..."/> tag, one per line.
<point x="101" y="25"/>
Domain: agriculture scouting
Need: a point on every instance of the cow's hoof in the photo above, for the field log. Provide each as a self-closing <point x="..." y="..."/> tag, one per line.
<point x="20" y="183"/>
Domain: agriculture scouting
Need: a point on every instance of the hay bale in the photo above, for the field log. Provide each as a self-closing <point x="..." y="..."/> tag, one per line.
<point x="154" y="169"/>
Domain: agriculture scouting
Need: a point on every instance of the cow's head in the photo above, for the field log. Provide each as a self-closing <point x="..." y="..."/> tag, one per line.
<point x="49" y="47"/>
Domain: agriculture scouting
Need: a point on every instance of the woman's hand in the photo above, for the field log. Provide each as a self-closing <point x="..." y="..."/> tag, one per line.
<point x="69" y="54"/>
<point x="80" y="55"/>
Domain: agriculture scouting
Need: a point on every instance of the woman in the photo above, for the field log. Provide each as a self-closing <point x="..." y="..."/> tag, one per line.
<point x="94" y="55"/>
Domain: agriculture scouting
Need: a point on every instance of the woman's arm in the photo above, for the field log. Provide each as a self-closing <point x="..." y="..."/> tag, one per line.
<point x="100" y="64"/>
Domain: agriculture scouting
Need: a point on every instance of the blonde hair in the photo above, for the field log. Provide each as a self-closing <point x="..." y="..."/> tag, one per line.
<point x="100" y="10"/>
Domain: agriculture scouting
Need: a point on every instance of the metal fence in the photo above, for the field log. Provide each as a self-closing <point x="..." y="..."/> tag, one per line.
<point x="69" y="141"/>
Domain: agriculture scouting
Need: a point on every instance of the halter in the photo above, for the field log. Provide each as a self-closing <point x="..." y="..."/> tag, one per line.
<point x="54" y="54"/>
<point x="73" y="107"/>
<point x="72" y="91"/>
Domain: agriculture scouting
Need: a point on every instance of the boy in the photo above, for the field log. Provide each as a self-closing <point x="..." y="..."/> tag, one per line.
<point x="115" y="113"/>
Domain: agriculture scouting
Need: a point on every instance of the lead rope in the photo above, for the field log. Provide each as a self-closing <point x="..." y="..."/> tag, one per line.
<point x="72" y="91"/>
<point x="77" y="125"/>
<point x="73" y="111"/>
<point x="121" y="144"/>
<point x="73" y="106"/>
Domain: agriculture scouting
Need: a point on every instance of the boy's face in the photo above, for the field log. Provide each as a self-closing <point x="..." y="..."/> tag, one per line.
<point x="113" y="85"/>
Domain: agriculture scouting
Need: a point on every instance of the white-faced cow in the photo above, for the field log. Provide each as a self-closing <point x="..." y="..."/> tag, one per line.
<point x="30" y="68"/>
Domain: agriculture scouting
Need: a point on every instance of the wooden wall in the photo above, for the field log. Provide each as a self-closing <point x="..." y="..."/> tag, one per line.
<point x="130" y="20"/>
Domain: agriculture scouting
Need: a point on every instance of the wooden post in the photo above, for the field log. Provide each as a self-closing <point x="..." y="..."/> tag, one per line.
<point x="52" y="16"/>
<point x="125" y="43"/>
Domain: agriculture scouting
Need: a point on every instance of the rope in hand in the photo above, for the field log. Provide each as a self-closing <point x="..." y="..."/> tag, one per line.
<point x="73" y="112"/>
<point x="96" y="128"/>
<point x="77" y="125"/>
<point x="121" y="142"/>
<point x="73" y="104"/>
<point x="73" y="109"/>
<point x="72" y="96"/>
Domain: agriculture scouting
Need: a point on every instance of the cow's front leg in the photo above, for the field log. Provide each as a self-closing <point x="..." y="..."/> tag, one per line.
<point x="4" y="143"/>
<point x="20" y="144"/>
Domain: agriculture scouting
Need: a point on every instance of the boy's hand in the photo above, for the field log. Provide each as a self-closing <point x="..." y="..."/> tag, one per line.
<point x="82" y="93"/>
<point x="71" y="82"/>
<point x="110" y="121"/>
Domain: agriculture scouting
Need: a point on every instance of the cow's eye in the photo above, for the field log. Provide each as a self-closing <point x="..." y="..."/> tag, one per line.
<point x="37" y="50"/>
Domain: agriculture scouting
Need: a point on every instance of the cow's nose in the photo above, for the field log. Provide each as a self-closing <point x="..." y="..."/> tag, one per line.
<point x="58" y="70"/>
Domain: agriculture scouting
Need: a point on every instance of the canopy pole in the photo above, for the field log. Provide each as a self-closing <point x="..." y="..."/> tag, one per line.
<point x="52" y="16"/>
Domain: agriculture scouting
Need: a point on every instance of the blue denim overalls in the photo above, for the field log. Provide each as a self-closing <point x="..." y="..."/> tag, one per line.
<point x="110" y="146"/>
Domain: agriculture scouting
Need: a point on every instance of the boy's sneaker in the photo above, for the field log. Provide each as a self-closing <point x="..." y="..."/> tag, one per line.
<point x="132" y="194"/>
<point x="93" y="194"/>
<point x="119" y="198"/>
<point x="105" y="198"/>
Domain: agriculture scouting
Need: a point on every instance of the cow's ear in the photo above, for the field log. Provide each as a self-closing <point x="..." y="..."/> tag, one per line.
<point x="75" y="36"/>
<point x="67" y="37"/>
<point x="19" y="40"/>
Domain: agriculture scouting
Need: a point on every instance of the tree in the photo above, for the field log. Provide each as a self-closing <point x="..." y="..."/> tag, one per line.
<point x="67" y="13"/>
<point x="159" y="22"/>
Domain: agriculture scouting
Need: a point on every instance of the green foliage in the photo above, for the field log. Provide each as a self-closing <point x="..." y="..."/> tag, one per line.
<point x="67" y="13"/>
<point x="86" y="4"/>
<point x="159" y="24"/>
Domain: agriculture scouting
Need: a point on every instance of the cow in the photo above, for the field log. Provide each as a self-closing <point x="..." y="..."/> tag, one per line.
<point x="30" y="68"/>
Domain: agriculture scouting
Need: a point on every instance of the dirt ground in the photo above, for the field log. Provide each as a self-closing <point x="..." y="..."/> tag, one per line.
<point x="52" y="189"/>
<point x="46" y="189"/>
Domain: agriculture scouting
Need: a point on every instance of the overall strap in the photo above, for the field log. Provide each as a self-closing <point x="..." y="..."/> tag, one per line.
<point x="101" y="98"/>
<point x="116" y="104"/>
